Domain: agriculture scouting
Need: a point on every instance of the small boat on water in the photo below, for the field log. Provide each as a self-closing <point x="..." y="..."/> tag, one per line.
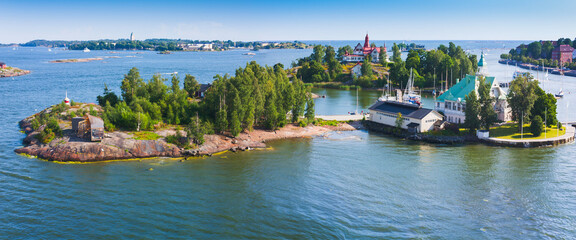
<point x="560" y="94"/>
<point x="86" y="50"/>
<point x="249" y="53"/>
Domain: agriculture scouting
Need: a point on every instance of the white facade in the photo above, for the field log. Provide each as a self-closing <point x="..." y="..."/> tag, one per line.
<point x="425" y="124"/>
<point x="357" y="70"/>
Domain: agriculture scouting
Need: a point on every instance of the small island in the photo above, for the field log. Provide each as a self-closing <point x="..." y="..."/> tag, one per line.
<point x="151" y="119"/>
<point x="76" y="60"/>
<point x="6" y="71"/>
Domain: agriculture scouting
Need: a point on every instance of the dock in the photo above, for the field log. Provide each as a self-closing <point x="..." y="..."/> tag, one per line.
<point x="346" y="117"/>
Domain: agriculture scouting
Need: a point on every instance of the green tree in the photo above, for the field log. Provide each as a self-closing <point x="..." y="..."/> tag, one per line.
<point x="396" y="54"/>
<point x="235" y="125"/>
<point x="545" y="107"/>
<point x="343" y="50"/>
<point x="310" y="113"/>
<point x="472" y="112"/>
<point x="130" y="85"/>
<point x="487" y="114"/>
<point x="521" y="97"/>
<point x="536" y="126"/>
<point x="109" y="97"/>
<point x="191" y="86"/>
<point x="366" y="69"/>
<point x="535" y="49"/>
<point x="330" y="54"/>
<point x="318" y="53"/>
<point x="383" y="57"/>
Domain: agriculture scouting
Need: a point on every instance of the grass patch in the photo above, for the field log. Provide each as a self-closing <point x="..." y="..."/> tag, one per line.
<point x="510" y="131"/>
<point x="146" y="136"/>
<point x="322" y="122"/>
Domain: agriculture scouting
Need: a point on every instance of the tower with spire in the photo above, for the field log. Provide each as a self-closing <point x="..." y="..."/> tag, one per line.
<point x="482" y="67"/>
<point x="362" y="51"/>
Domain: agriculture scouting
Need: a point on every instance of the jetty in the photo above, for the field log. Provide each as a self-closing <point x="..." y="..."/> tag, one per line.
<point x="347" y="117"/>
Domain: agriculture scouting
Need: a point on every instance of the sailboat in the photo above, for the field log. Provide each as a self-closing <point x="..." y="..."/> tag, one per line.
<point x="86" y="50"/>
<point x="410" y="96"/>
<point x="560" y="93"/>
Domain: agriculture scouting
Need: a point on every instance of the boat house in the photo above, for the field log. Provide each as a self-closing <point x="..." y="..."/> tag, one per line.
<point x="416" y="119"/>
<point x="90" y="127"/>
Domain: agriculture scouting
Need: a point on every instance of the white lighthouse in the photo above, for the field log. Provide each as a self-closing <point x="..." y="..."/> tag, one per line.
<point x="66" y="99"/>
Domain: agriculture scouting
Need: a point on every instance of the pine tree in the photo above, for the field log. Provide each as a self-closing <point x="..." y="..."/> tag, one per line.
<point x="310" y="115"/>
<point x="235" y="127"/>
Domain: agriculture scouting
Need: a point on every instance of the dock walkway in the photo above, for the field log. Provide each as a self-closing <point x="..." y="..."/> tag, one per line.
<point x="346" y="117"/>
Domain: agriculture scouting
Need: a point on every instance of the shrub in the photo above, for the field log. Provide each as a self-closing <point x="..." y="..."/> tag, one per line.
<point x="536" y="126"/>
<point x="46" y="136"/>
<point x="303" y="122"/>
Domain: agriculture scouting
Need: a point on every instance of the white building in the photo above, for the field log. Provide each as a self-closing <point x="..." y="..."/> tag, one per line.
<point x="357" y="70"/>
<point x="416" y="119"/>
<point x="453" y="102"/>
<point x="360" y="52"/>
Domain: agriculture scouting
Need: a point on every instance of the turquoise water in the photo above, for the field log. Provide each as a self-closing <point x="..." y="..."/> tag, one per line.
<point x="354" y="185"/>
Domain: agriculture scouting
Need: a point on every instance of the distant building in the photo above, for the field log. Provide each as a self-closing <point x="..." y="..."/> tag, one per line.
<point x="196" y="47"/>
<point x="360" y="52"/>
<point x="416" y="119"/>
<point x="132" y="37"/>
<point x="563" y="53"/>
<point x="2" y="65"/>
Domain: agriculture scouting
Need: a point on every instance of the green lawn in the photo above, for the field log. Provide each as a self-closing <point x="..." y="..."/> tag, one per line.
<point x="146" y="136"/>
<point x="510" y="131"/>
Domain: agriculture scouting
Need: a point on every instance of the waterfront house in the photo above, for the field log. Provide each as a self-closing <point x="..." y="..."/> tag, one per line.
<point x="563" y="53"/>
<point x="416" y="119"/>
<point x="2" y="65"/>
<point x="453" y="102"/>
<point x="360" y="52"/>
<point x="202" y="91"/>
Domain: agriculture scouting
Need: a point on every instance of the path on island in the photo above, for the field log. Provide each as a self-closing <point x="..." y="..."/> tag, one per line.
<point x="346" y="117"/>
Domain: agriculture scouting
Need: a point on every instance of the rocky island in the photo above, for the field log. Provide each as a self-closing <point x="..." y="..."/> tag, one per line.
<point x="151" y="119"/>
<point x="131" y="144"/>
<point x="6" y="71"/>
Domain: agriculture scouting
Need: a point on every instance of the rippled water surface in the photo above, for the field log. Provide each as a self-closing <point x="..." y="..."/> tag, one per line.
<point x="355" y="185"/>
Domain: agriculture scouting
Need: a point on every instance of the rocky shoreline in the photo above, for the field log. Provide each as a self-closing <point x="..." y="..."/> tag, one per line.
<point x="12" y="72"/>
<point x="123" y="145"/>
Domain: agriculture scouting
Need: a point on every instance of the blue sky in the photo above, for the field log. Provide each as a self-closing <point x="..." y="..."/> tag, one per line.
<point x="24" y="20"/>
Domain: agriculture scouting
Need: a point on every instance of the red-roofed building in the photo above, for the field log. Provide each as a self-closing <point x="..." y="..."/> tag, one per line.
<point x="563" y="54"/>
<point x="2" y="65"/>
<point x="360" y="52"/>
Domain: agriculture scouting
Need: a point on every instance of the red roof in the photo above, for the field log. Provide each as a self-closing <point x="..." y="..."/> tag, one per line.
<point x="564" y="48"/>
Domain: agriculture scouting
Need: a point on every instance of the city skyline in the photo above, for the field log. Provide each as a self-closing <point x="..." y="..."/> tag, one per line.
<point x="295" y="20"/>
